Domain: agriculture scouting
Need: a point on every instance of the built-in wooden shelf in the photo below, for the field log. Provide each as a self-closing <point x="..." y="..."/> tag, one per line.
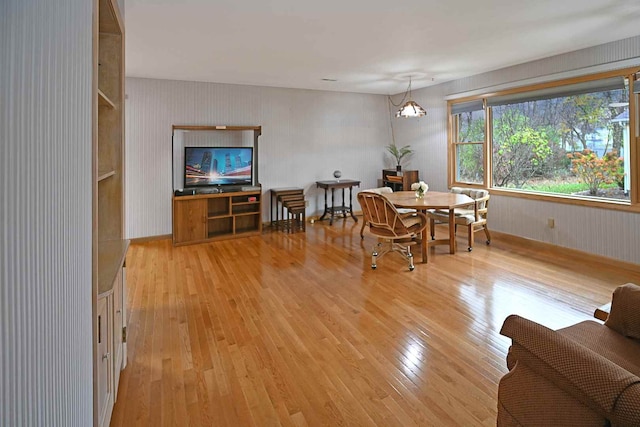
<point x="111" y="254"/>
<point x="105" y="175"/>
<point x="105" y="101"/>
<point x="108" y="243"/>
<point x="109" y="18"/>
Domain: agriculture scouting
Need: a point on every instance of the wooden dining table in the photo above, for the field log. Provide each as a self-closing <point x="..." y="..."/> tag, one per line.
<point x="432" y="200"/>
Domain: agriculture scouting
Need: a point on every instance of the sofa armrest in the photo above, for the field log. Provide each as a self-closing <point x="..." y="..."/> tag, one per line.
<point x="589" y="377"/>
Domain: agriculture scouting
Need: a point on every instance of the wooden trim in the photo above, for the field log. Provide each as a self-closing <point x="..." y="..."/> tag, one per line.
<point x="563" y="82"/>
<point x="562" y="251"/>
<point x="452" y="141"/>
<point x="219" y="127"/>
<point x="451" y="155"/>
<point x="111" y="20"/>
<point x="568" y="200"/>
<point x="634" y="135"/>
<point x="488" y="137"/>
<point x="151" y="238"/>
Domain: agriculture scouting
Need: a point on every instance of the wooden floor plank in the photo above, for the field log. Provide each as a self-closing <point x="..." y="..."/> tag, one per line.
<point x="297" y="330"/>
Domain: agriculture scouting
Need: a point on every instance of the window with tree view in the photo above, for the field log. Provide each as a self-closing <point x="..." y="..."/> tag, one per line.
<point x="571" y="140"/>
<point x="469" y="126"/>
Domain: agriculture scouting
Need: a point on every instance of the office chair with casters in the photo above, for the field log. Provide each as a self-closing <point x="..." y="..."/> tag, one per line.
<point x="475" y="218"/>
<point x="380" y="190"/>
<point x="396" y="232"/>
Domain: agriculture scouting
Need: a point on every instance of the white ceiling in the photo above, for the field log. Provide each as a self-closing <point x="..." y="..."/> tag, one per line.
<point x="368" y="46"/>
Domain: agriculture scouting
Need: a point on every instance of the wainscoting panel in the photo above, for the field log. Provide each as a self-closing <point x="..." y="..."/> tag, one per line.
<point x="45" y="220"/>
<point x="614" y="234"/>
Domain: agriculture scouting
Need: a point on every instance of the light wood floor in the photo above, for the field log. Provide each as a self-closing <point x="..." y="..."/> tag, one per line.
<point x="298" y="330"/>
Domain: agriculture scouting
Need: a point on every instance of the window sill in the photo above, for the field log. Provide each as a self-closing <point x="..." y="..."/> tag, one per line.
<point x="618" y="205"/>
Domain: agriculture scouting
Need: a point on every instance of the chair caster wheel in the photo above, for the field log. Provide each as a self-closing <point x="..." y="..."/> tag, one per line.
<point x="488" y="242"/>
<point x="373" y="267"/>
<point x="469" y="249"/>
<point x="411" y="268"/>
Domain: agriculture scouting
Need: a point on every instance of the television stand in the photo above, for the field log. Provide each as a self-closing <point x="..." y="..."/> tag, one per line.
<point x="208" y="217"/>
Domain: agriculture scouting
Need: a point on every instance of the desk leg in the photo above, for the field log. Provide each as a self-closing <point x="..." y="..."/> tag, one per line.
<point x="344" y="203"/>
<point x="351" y="204"/>
<point x="333" y="204"/>
<point x="271" y="211"/>
<point x="326" y="209"/>
<point x="452" y="232"/>
<point x="424" y="244"/>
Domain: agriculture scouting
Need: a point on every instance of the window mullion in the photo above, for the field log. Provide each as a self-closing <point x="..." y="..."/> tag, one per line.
<point x="488" y="143"/>
<point x="634" y="141"/>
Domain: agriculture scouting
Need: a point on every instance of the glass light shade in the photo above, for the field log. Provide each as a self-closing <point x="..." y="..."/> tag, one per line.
<point x="411" y="109"/>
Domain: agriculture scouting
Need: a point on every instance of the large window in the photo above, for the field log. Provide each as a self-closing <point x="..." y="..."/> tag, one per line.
<point x="571" y="140"/>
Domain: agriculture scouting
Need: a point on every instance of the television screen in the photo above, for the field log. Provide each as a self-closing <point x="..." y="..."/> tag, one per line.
<point x="206" y="166"/>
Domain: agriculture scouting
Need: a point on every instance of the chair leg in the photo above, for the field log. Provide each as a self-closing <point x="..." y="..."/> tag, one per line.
<point x="486" y="232"/>
<point x="471" y="233"/>
<point x="432" y="228"/>
<point x="364" y="223"/>
<point x="374" y="256"/>
<point x="410" y="256"/>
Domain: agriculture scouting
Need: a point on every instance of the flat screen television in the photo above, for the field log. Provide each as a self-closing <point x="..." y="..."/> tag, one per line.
<point x="215" y="166"/>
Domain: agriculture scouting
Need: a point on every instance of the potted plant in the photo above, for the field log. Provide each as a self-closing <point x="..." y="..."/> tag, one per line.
<point x="399" y="153"/>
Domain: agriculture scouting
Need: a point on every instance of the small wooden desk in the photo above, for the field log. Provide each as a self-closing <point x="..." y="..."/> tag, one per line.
<point x="433" y="200"/>
<point x="277" y="193"/>
<point x="333" y="209"/>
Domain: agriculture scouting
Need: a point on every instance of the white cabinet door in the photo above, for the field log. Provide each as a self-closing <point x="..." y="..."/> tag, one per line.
<point x="105" y="364"/>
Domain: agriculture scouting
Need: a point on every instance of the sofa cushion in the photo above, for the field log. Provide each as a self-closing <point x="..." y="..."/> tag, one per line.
<point x="622" y="351"/>
<point x="625" y="311"/>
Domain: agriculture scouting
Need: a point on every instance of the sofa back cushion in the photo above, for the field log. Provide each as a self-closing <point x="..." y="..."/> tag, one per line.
<point x="624" y="317"/>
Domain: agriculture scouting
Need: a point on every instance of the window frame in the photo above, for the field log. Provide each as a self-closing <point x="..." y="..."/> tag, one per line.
<point x="453" y="128"/>
<point x="634" y="144"/>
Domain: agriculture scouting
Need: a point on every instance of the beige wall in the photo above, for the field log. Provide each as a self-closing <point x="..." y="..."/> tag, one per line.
<point x="306" y="135"/>
<point x="45" y="215"/>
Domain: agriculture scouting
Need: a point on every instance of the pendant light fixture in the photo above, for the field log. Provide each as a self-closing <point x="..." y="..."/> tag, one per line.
<point x="410" y="108"/>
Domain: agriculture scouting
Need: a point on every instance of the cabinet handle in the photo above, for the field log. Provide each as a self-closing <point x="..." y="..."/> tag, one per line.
<point x="106" y="356"/>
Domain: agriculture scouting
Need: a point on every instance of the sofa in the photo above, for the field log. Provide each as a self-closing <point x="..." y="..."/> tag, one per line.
<point x="584" y="375"/>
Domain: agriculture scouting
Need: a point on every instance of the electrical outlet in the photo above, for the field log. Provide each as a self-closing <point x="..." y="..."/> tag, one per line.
<point x="551" y="223"/>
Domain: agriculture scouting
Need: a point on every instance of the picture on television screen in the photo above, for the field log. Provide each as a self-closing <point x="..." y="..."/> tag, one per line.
<point x="207" y="166"/>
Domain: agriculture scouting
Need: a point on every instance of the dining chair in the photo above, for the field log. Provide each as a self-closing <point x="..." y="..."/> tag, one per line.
<point x="475" y="219"/>
<point x="379" y="190"/>
<point x="396" y="232"/>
